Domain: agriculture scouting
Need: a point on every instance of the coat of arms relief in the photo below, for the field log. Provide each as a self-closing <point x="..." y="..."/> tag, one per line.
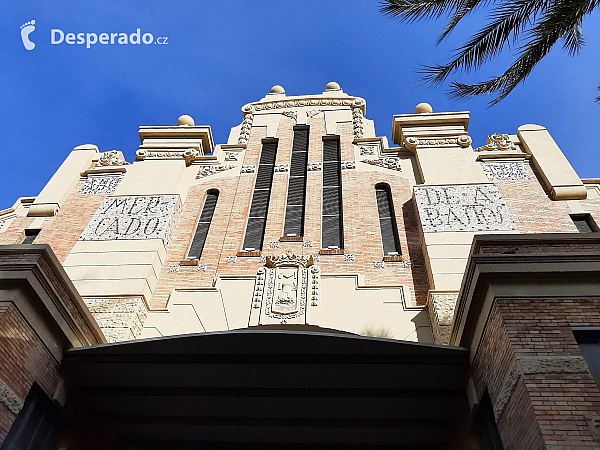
<point x="284" y="287"/>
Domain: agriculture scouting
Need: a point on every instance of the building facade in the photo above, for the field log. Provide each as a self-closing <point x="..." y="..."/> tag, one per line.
<point x="472" y="268"/>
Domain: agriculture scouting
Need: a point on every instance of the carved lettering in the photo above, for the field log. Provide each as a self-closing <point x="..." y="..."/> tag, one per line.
<point x="462" y="208"/>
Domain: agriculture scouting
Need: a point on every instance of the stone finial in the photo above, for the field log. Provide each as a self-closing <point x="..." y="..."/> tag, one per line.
<point x="423" y="108"/>
<point x="277" y="89"/>
<point x="185" y="120"/>
<point x="332" y="86"/>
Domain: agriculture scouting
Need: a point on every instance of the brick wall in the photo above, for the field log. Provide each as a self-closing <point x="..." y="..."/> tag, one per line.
<point x="361" y="226"/>
<point x="24" y="359"/>
<point x="531" y="364"/>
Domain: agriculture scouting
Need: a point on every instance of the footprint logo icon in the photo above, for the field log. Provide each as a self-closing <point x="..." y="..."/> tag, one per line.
<point x="26" y="30"/>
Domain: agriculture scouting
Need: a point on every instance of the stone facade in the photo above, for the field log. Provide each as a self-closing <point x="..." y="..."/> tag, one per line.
<point x="123" y="233"/>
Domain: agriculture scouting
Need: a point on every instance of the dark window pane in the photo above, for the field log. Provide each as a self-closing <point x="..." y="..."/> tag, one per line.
<point x="203" y="225"/>
<point x="387" y="222"/>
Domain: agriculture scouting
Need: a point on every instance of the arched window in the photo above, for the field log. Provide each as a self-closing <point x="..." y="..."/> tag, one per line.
<point x="387" y="221"/>
<point x="257" y="219"/>
<point x="203" y="224"/>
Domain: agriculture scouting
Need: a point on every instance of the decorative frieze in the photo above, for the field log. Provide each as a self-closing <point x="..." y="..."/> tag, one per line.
<point x="313" y="113"/>
<point x="476" y="207"/>
<point x="368" y="150"/>
<point x="206" y="171"/>
<point x="386" y="163"/>
<point x="349" y="257"/>
<point x="248" y="169"/>
<point x="281" y="167"/>
<point x="379" y="264"/>
<point x="274" y="244"/>
<point x="307" y="244"/>
<point x="134" y="217"/>
<point x="201" y="267"/>
<point x="411" y="143"/>
<point x="231" y="156"/>
<point x="506" y="171"/>
<point x="313" y="166"/>
<point x="357" y="123"/>
<point x="105" y="184"/>
<point x="232" y="259"/>
<point x="112" y="158"/>
<point x="345" y="165"/>
<point x="188" y="154"/>
<point x="291" y="114"/>
<point x="289" y="259"/>
<point x="246" y="128"/>
<point x="497" y="142"/>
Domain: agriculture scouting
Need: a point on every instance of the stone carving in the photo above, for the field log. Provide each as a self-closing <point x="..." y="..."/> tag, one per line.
<point x="475" y="207"/>
<point x="232" y="259"/>
<point x="119" y="318"/>
<point x="348" y="165"/>
<point x="313" y="113"/>
<point x="10" y="399"/>
<point x="357" y="123"/>
<point x="174" y="269"/>
<point x="386" y="163"/>
<point x="307" y="244"/>
<point x="497" y="142"/>
<point x="378" y="264"/>
<point x="201" y="267"/>
<point x="291" y="114"/>
<point x="134" y="217"/>
<point x="274" y="244"/>
<point x="407" y="263"/>
<point x="112" y="158"/>
<point x="314" y="285"/>
<point x="313" y="166"/>
<point x="230" y="156"/>
<point x="506" y="171"/>
<point x="316" y="257"/>
<point x="411" y="143"/>
<point x="189" y="154"/>
<point x="289" y="259"/>
<point x="368" y="150"/>
<point x="246" y="128"/>
<point x="263" y="259"/>
<point x="207" y="171"/>
<point x="106" y="184"/>
<point x="349" y="257"/>
<point x="248" y="169"/>
<point x="281" y="167"/>
<point x="441" y="312"/>
<point x="259" y="287"/>
<point x="535" y="365"/>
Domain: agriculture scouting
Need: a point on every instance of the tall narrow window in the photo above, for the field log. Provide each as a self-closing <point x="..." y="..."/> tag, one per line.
<point x="332" y="231"/>
<point x="387" y="221"/>
<point x="255" y="230"/>
<point x="203" y="225"/>
<point x="294" y="209"/>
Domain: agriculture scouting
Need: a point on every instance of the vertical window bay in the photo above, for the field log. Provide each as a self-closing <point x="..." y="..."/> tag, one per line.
<point x="387" y="221"/>
<point x="257" y="219"/>
<point x="296" y="197"/>
<point x="203" y="225"/>
<point x="332" y="229"/>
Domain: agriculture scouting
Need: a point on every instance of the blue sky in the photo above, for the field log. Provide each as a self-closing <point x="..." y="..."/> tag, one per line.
<point x="221" y="55"/>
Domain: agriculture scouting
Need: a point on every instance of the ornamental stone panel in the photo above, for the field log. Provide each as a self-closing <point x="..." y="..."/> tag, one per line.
<point x="475" y="207"/>
<point x="100" y="184"/>
<point x="134" y="217"/>
<point x="506" y="171"/>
